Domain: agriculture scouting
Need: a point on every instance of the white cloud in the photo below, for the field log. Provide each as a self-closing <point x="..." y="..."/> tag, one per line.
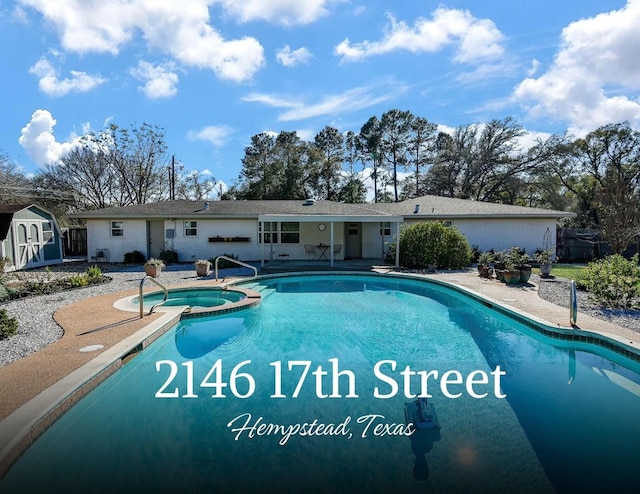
<point x="215" y="134"/>
<point x="160" y="80"/>
<point x="535" y="65"/>
<point x="291" y="58"/>
<point x="284" y="12"/>
<point x="179" y="29"/>
<point x="50" y="84"/>
<point x="597" y="58"/>
<point x="476" y="40"/>
<point x="38" y="140"/>
<point x="333" y="104"/>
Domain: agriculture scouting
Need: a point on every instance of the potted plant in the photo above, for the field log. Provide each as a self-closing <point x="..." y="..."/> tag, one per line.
<point x="522" y="264"/>
<point x="545" y="258"/>
<point x="203" y="267"/>
<point x="153" y="267"/>
<point x="499" y="264"/>
<point x="484" y="264"/>
<point x="511" y="274"/>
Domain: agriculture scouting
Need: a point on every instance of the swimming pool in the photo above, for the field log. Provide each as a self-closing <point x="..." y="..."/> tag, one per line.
<point x="193" y="297"/>
<point x="568" y="422"/>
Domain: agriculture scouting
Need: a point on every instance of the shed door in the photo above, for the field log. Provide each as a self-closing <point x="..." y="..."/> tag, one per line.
<point x="29" y="244"/>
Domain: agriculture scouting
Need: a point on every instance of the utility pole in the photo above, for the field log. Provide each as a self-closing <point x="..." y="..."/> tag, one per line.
<point x="172" y="179"/>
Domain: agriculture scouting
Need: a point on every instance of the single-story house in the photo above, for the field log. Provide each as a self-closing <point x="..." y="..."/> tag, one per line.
<point x="29" y="236"/>
<point x="302" y="229"/>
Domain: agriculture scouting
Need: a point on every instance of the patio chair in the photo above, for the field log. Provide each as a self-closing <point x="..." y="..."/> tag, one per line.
<point x="337" y="248"/>
<point x="310" y="250"/>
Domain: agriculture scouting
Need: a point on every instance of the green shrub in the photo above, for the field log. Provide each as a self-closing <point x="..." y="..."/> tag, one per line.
<point x="168" y="256"/>
<point x="613" y="281"/>
<point x="78" y="280"/>
<point x="4" y="293"/>
<point x="135" y="257"/>
<point x="94" y="273"/>
<point x="432" y="243"/>
<point x="8" y="325"/>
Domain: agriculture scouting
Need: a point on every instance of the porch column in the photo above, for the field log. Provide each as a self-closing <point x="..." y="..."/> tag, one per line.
<point x="331" y="243"/>
<point x="397" y="244"/>
<point x="261" y="240"/>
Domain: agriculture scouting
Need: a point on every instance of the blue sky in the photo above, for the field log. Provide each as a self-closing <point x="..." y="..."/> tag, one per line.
<point x="213" y="73"/>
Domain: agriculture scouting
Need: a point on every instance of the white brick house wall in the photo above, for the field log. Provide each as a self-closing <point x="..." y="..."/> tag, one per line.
<point x="99" y="238"/>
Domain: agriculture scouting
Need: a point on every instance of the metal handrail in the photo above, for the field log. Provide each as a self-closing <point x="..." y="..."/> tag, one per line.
<point x="166" y="295"/>
<point x="230" y="259"/>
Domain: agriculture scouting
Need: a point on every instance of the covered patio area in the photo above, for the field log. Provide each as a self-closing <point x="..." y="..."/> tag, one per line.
<point x="321" y="241"/>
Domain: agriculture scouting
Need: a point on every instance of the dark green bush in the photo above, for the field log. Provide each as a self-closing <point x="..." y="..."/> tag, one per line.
<point x="8" y="325"/>
<point x="613" y="281"/>
<point x="135" y="257"/>
<point x="168" y="256"/>
<point x="432" y="243"/>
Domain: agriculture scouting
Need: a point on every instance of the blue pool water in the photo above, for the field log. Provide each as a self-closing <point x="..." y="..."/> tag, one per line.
<point x="569" y="422"/>
<point x="193" y="297"/>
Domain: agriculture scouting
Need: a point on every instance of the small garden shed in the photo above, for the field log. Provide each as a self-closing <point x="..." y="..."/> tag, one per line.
<point x="29" y="236"/>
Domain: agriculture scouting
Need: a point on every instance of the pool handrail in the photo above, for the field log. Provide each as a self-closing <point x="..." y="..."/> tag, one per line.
<point x="164" y="288"/>
<point x="230" y="259"/>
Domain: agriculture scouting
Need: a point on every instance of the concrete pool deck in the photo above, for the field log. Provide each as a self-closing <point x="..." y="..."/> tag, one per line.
<point x="28" y="384"/>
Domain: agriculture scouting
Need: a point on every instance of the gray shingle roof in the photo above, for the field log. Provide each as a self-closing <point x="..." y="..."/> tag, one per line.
<point x="447" y="207"/>
<point x="430" y="207"/>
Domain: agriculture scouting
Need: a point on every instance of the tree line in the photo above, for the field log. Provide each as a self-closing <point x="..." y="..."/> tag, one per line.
<point x="596" y="176"/>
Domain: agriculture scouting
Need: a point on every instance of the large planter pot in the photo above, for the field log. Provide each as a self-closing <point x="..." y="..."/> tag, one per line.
<point x="525" y="273"/>
<point x="203" y="269"/>
<point x="152" y="270"/>
<point x="484" y="271"/>
<point x="511" y="277"/>
<point x="545" y="269"/>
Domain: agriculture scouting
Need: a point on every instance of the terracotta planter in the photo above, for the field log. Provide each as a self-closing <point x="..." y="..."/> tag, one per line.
<point x="484" y="271"/>
<point x="153" y="271"/>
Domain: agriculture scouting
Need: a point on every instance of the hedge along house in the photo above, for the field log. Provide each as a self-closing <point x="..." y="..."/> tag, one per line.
<point x="29" y="236"/>
<point x="302" y="230"/>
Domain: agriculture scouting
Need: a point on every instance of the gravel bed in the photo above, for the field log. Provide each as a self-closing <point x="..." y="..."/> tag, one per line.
<point x="36" y="327"/>
<point x="557" y="291"/>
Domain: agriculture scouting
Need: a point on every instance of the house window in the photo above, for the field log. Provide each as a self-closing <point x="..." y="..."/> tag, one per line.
<point x="269" y="232"/>
<point x="190" y="228"/>
<point x="47" y="232"/>
<point x="290" y="232"/>
<point x="385" y="228"/>
<point x="117" y="228"/>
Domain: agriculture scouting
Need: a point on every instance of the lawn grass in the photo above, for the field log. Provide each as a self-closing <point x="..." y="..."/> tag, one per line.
<point x="569" y="271"/>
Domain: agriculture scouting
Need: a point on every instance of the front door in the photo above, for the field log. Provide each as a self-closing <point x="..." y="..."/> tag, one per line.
<point x="155" y="237"/>
<point x="29" y="244"/>
<point x="353" y="235"/>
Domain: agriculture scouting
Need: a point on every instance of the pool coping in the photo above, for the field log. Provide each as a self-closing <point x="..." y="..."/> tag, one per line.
<point x="23" y="426"/>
